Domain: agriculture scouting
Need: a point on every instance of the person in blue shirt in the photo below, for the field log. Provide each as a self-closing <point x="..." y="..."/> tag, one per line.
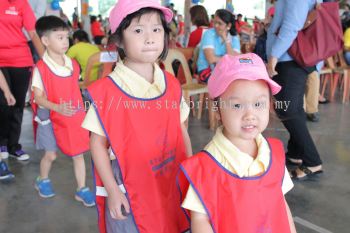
<point x="289" y="18"/>
<point x="218" y="41"/>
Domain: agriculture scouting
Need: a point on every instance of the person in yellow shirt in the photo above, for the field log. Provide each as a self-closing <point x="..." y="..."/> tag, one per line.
<point x="81" y="51"/>
<point x="237" y="184"/>
<point x="347" y="43"/>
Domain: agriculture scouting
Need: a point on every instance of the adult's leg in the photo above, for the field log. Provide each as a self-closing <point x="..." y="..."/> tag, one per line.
<point x="312" y="93"/>
<point x="292" y="78"/>
<point x="5" y="112"/>
<point x="19" y="79"/>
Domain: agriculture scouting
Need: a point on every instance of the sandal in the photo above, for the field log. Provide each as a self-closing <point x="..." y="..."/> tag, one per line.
<point x="308" y="173"/>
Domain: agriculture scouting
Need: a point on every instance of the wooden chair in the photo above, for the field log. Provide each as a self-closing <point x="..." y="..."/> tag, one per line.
<point x="189" y="88"/>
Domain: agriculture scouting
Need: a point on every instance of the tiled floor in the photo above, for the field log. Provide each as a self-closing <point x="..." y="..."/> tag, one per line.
<point x="318" y="206"/>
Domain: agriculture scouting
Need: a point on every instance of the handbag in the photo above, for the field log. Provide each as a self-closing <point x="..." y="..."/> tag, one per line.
<point x="321" y="36"/>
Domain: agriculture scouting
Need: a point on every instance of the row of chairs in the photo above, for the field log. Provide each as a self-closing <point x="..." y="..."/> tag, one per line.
<point x="336" y="73"/>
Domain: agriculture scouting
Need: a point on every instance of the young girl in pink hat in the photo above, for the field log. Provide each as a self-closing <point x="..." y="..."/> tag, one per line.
<point x="237" y="183"/>
<point x="138" y="112"/>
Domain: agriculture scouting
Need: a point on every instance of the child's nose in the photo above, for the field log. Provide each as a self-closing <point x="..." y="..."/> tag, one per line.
<point x="249" y="115"/>
<point x="149" y="39"/>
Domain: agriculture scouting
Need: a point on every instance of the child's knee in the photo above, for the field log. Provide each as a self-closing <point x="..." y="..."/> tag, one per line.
<point x="51" y="156"/>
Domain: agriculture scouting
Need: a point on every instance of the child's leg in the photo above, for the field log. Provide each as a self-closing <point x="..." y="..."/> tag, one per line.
<point x="83" y="193"/>
<point x="46" y="163"/>
<point x="43" y="183"/>
<point x="79" y="170"/>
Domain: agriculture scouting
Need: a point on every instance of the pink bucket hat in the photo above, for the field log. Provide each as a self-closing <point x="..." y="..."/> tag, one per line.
<point x="246" y="67"/>
<point x="124" y="8"/>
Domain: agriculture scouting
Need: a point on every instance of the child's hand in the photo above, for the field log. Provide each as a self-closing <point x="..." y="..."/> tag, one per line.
<point x="10" y="99"/>
<point x="65" y="109"/>
<point x="117" y="201"/>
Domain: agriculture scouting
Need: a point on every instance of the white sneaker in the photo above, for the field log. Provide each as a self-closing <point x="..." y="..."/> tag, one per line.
<point x="20" y="155"/>
<point x="4" y="154"/>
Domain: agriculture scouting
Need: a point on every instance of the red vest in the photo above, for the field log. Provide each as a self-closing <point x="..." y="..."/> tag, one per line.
<point x="70" y="137"/>
<point x="146" y="137"/>
<point x="240" y="205"/>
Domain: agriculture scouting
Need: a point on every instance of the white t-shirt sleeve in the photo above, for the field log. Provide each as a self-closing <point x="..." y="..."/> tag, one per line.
<point x="192" y="202"/>
<point x="184" y="110"/>
<point x="92" y="123"/>
<point x="36" y="80"/>
<point x="287" y="183"/>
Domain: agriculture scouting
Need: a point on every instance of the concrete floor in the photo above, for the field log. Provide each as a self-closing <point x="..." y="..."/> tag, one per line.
<point x="317" y="206"/>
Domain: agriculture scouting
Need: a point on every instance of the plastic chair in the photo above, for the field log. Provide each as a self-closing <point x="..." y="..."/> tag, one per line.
<point x="340" y="71"/>
<point x="107" y="60"/>
<point x="189" y="88"/>
<point x="345" y="84"/>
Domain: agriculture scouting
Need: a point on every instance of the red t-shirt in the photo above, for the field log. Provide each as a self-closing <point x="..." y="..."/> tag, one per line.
<point x="195" y="37"/>
<point x="181" y="28"/>
<point x="14" y="50"/>
<point x="239" y="24"/>
<point x="96" y="29"/>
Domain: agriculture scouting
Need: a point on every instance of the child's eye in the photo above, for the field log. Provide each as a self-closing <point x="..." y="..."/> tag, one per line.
<point x="259" y="104"/>
<point x="138" y="30"/>
<point x="237" y="106"/>
<point x="157" y="30"/>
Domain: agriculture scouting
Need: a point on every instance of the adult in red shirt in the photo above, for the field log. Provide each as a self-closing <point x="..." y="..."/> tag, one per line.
<point x="199" y="18"/>
<point x="15" y="63"/>
<point x="239" y="23"/>
<point x="96" y="30"/>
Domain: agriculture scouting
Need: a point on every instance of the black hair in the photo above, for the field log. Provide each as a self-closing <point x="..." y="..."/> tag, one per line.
<point x="93" y="18"/>
<point x="81" y="35"/>
<point x="199" y="16"/>
<point x="47" y="24"/>
<point x="117" y="36"/>
<point x="227" y="17"/>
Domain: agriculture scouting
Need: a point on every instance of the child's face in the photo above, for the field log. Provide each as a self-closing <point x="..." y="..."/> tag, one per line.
<point x="57" y="41"/>
<point x="143" y="40"/>
<point x="244" y="110"/>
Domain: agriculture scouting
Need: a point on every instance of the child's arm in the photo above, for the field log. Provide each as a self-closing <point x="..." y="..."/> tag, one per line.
<point x="187" y="139"/>
<point x="116" y="198"/>
<point x="290" y="218"/>
<point x="64" y="108"/>
<point x="5" y="88"/>
<point x="200" y="223"/>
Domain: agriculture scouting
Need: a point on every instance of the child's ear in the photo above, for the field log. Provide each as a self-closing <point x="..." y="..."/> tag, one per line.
<point x="45" y="40"/>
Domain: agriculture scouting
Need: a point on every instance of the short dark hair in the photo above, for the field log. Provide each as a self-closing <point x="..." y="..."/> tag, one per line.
<point x="81" y="35"/>
<point x="117" y="36"/>
<point x="227" y="17"/>
<point x="199" y="16"/>
<point x="47" y="24"/>
<point x="93" y="18"/>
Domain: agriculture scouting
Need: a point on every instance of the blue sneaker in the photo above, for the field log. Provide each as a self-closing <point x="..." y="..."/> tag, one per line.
<point x="5" y="173"/>
<point x="20" y="155"/>
<point x="4" y="154"/>
<point x="44" y="187"/>
<point x="85" y="196"/>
